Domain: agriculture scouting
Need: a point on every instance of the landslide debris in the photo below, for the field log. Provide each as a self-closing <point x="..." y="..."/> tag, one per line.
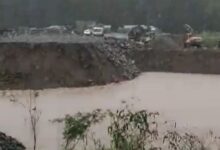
<point x="117" y="52"/>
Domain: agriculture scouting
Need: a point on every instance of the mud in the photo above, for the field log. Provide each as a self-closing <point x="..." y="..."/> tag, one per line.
<point x="40" y="65"/>
<point x="183" y="61"/>
<point x="51" y="65"/>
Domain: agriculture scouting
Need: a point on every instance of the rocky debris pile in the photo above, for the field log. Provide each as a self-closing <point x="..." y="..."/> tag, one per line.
<point x="9" y="143"/>
<point x="118" y="53"/>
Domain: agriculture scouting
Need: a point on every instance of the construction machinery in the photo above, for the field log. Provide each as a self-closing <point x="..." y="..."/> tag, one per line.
<point x="190" y="39"/>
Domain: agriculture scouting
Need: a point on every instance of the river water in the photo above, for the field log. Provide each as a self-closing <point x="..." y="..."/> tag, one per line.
<point x="192" y="100"/>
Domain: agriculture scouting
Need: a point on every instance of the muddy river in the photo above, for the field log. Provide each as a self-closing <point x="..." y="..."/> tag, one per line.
<point x="193" y="101"/>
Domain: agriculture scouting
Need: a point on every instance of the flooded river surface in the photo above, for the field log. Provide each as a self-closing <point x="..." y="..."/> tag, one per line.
<point x="192" y="100"/>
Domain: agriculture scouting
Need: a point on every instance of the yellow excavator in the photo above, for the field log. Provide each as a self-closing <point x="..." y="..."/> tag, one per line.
<point x="190" y="39"/>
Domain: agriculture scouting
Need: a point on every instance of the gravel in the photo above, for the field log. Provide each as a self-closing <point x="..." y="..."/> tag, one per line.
<point x="118" y="53"/>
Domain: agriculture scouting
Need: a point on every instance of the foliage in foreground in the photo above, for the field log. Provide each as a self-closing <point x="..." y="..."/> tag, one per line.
<point x="127" y="130"/>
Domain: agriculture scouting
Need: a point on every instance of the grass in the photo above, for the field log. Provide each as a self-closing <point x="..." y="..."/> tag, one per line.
<point x="210" y="38"/>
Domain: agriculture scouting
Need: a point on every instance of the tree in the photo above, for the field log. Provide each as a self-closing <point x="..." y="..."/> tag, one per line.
<point x="169" y="15"/>
<point x="33" y="113"/>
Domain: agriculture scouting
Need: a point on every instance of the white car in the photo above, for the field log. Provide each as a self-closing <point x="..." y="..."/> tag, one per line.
<point x="87" y="32"/>
<point x="98" y="31"/>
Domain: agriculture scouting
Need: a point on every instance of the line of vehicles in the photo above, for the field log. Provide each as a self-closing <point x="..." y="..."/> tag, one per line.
<point x="137" y="33"/>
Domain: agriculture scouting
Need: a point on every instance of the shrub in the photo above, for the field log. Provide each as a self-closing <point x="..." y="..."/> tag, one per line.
<point x="210" y="39"/>
<point x="128" y="130"/>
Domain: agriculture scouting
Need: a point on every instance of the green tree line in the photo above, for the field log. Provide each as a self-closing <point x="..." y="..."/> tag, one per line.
<point x="169" y="15"/>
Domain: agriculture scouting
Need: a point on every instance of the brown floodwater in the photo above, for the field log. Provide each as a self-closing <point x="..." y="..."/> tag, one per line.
<point x="192" y="100"/>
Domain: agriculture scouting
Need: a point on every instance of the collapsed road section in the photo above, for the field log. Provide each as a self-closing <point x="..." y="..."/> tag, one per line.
<point x="26" y="65"/>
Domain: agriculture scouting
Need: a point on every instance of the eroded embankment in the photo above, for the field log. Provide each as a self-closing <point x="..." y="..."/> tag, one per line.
<point x="50" y="65"/>
<point x="184" y="61"/>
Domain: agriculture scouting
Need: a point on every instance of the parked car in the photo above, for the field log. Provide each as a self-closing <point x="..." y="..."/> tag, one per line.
<point x="98" y="31"/>
<point x="87" y="32"/>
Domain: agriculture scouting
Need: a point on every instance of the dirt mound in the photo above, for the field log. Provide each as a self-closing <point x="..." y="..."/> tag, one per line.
<point x="51" y="65"/>
<point x="165" y="42"/>
<point x="183" y="61"/>
<point x="9" y="143"/>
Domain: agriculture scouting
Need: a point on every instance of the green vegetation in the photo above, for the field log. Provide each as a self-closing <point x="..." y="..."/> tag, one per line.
<point x="77" y="127"/>
<point x="211" y="39"/>
<point x="169" y="15"/>
<point x="127" y="130"/>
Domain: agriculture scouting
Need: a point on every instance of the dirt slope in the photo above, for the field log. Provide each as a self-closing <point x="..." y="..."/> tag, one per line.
<point x="184" y="61"/>
<point x="50" y="65"/>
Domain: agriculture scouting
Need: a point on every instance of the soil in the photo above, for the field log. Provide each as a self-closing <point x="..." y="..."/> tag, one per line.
<point x="40" y="65"/>
<point x="182" y="61"/>
<point x="51" y="65"/>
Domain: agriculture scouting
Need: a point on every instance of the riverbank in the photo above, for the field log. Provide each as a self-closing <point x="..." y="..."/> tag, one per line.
<point x="53" y="65"/>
